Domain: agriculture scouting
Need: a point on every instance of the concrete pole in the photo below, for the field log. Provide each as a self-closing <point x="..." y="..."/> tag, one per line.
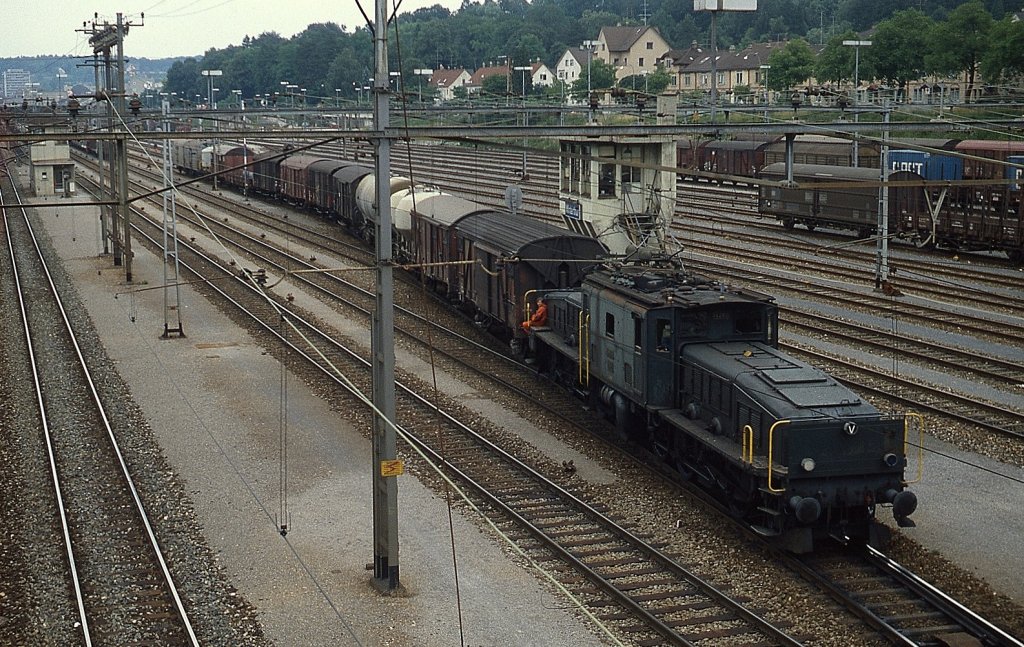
<point x="115" y="224"/>
<point x="100" y="145"/>
<point x="714" y="64"/>
<point x="882" y="248"/>
<point x="122" y="156"/>
<point x="382" y="347"/>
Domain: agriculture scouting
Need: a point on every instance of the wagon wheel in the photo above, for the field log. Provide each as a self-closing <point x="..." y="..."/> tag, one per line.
<point x="811" y="225"/>
<point x="787" y="223"/>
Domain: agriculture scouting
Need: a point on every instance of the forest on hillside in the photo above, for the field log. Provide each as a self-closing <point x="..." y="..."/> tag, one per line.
<point x="331" y="61"/>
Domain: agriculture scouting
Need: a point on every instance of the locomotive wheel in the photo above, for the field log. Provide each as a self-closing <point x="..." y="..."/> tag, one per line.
<point x="740" y="506"/>
<point x="685" y="472"/>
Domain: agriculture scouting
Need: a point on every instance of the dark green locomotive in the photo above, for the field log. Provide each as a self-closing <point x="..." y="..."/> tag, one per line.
<point x="691" y="368"/>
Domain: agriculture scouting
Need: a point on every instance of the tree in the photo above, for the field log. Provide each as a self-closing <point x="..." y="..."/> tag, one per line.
<point x="791" y="66"/>
<point x="959" y="43"/>
<point x="602" y="78"/>
<point x="658" y="80"/>
<point x="899" y="47"/>
<point x="838" y="62"/>
<point x="1005" y="58"/>
<point x="495" y="85"/>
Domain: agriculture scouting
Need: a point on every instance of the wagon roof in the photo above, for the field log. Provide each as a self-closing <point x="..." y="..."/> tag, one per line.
<point x="926" y="142"/>
<point x="326" y="166"/>
<point x="299" y="161"/>
<point x="227" y="148"/>
<point x="511" y="233"/>
<point x="822" y="171"/>
<point x="990" y="145"/>
<point x="444" y="206"/>
<point x="351" y="172"/>
<point x="734" y="145"/>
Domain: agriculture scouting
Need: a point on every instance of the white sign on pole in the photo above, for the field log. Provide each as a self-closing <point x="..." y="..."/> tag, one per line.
<point x="725" y="5"/>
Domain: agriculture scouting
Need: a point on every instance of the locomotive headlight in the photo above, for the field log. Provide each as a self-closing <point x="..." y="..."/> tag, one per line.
<point x="807" y="464"/>
<point x="850" y="428"/>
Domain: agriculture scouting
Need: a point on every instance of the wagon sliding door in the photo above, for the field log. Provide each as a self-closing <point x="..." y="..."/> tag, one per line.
<point x="487" y="288"/>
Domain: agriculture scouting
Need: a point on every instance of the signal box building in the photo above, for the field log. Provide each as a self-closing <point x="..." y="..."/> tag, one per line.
<point x="53" y="172"/>
<point x="620" y="190"/>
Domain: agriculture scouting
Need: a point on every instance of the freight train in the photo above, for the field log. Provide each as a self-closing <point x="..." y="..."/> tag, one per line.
<point x="969" y="218"/>
<point x="686" y="366"/>
<point x="979" y="217"/>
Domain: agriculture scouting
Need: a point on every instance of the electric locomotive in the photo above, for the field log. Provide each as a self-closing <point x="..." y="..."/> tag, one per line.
<point x="691" y="368"/>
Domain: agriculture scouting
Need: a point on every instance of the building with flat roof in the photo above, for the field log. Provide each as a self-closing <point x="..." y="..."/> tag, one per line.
<point x="16" y="83"/>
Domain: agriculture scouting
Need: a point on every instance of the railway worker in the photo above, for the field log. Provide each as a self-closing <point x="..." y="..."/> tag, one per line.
<point x="539" y="318"/>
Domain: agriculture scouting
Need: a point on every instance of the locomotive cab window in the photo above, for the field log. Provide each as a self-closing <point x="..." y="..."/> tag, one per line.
<point x="609" y="324"/>
<point x="663" y="333"/>
<point x="748" y="323"/>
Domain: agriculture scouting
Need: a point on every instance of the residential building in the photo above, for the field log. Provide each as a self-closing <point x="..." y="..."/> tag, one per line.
<point x="542" y="76"/>
<point x="632" y="51"/>
<point x="445" y="81"/>
<point x="739" y="74"/>
<point x="476" y="81"/>
<point x="573" y="65"/>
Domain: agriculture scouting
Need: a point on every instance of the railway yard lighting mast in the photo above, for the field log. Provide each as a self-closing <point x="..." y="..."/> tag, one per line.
<point x="422" y="72"/>
<point x="209" y="74"/>
<point x="767" y="92"/>
<point x="714" y="6"/>
<point x="856" y="45"/>
<point x="589" y="45"/>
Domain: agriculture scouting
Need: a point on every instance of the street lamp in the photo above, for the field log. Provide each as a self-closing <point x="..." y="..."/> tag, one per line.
<point x="526" y="116"/>
<point x="856" y="45"/>
<point x="589" y="45"/>
<point x="767" y="91"/>
<point x="421" y="72"/>
<point x="209" y="74"/>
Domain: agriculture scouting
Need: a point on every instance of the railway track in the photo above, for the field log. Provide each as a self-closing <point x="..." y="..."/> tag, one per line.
<point x="902" y="607"/>
<point x="120" y="588"/>
<point x="995" y="370"/>
<point x="642" y="594"/>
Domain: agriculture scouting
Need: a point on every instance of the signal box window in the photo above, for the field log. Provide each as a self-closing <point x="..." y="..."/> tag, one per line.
<point x="609" y="324"/>
<point x="606" y="181"/>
